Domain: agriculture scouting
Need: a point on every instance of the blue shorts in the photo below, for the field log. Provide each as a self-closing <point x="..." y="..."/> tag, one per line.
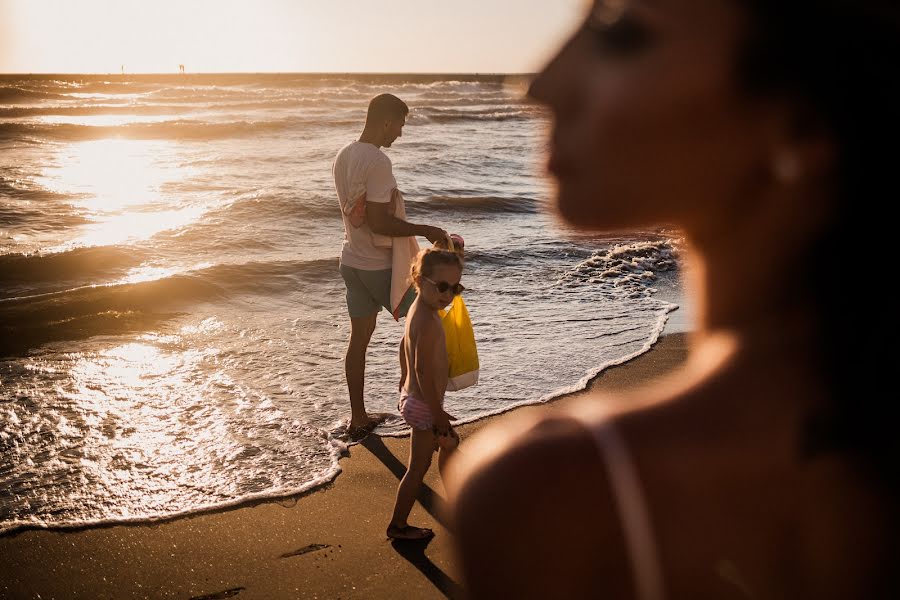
<point x="368" y="291"/>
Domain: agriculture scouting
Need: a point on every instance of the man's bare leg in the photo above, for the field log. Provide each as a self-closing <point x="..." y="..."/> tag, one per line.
<point x="361" y="330"/>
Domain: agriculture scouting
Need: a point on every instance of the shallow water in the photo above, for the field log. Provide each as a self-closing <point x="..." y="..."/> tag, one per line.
<point x="172" y="315"/>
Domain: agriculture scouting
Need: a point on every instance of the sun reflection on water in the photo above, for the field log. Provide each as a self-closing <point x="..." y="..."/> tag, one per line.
<point x="133" y="395"/>
<point x="147" y="272"/>
<point x="109" y="174"/>
<point x="158" y="425"/>
<point x="118" y="186"/>
<point x="107" y="120"/>
<point x="127" y="369"/>
<point x="108" y="230"/>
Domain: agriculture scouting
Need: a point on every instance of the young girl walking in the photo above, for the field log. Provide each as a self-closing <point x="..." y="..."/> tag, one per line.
<point x="423" y="381"/>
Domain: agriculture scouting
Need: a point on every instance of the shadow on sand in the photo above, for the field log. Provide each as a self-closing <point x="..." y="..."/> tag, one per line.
<point x="414" y="550"/>
<point x="430" y="501"/>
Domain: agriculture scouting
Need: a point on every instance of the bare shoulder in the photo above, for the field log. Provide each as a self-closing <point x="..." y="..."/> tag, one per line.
<point x="423" y="327"/>
<point x="530" y="495"/>
<point x="492" y="448"/>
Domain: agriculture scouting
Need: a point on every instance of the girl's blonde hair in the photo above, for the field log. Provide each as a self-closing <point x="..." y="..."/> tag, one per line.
<point x="429" y="258"/>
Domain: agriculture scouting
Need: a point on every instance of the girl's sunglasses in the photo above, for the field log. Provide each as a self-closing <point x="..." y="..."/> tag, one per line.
<point x="443" y="286"/>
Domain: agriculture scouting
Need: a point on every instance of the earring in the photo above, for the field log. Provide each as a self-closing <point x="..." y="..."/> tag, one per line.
<point x="786" y="166"/>
<point x="607" y="13"/>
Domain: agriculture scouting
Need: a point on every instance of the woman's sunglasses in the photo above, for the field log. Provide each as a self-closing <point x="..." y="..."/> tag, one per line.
<point x="443" y="286"/>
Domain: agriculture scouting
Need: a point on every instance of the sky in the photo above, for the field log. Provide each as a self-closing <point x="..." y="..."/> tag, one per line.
<point x="388" y="36"/>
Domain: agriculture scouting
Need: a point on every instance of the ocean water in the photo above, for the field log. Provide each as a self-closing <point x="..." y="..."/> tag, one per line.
<point x="172" y="319"/>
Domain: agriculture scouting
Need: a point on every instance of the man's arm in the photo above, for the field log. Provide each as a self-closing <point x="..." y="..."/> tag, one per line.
<point x="381" y="220"/>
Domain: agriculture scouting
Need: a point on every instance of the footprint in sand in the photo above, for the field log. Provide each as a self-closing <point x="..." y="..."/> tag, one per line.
<point x="306" y="550"/>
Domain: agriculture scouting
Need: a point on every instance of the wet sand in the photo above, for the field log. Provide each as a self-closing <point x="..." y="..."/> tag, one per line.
<point x="327" y="544"/>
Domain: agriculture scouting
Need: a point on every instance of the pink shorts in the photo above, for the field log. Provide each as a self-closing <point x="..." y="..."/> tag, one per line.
<point x="414" y="411"/>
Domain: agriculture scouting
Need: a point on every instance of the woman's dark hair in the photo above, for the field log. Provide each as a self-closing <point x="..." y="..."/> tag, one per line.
<point x="429" y="258"/>
<point x="840" y="61"/>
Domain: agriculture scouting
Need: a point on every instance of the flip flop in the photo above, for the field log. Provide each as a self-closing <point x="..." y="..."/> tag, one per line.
<point x="409" y="532"/>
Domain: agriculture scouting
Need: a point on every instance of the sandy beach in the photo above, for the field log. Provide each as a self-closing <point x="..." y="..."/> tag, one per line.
<point x="327" y="544"/>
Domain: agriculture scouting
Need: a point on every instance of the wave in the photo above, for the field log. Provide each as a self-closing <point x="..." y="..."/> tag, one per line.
<point x="475" y="204"/>
<point x="535" y="253"/>
<point x="489" y="113"/>
<point x="12" y="188"/>
<point x="325" y="208"/>
<point x="89" y="309"/>
<point x="115" y="83"/>
<point x="276" y="207"/>
<point x="113" y="309"/>
<point x="78" y="265"/>
<point x="116" y="107"/>
<point x="455" y="93"/>
<point x="295" y="206"/>
<point x="177" y="129"/>
<point x="314" y="99"/>
<point x="470" y="102"/>
<point x="632" y="267"/>
<point x="198" y="129"/>
<point x="33" y="209"/>
<point x="84" y="312"/>
<point x="261" y="89"/>
<point x="19" y="112"/>
<point x="204" y="93"/>
<point x="269" y="278"/>
<point x="15" y="95"/>
<point x="35" y="220"/>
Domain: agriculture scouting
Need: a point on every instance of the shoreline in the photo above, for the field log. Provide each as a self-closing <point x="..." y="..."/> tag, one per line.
<point x="325" y="543"/>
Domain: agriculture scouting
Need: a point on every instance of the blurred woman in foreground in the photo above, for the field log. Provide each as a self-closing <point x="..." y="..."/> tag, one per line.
<point x="766" y="468"/>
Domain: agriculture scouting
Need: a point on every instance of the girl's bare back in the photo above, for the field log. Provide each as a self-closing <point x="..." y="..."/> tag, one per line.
<point x="423" y="347"/>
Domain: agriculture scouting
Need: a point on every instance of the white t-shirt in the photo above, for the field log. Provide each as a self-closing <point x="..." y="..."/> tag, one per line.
<point x="360" y="168"/>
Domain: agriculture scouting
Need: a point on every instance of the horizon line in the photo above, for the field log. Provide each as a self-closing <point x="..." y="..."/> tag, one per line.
<point x="179" y="73"/>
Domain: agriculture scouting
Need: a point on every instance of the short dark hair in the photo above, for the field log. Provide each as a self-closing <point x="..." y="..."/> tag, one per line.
<point x="386" y="107"/>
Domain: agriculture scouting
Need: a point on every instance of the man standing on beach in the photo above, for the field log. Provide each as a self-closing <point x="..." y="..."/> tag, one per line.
<point x="365" y="185"/>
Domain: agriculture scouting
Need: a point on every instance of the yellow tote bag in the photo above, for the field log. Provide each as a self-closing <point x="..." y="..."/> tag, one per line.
<point x="461" y="350"/>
